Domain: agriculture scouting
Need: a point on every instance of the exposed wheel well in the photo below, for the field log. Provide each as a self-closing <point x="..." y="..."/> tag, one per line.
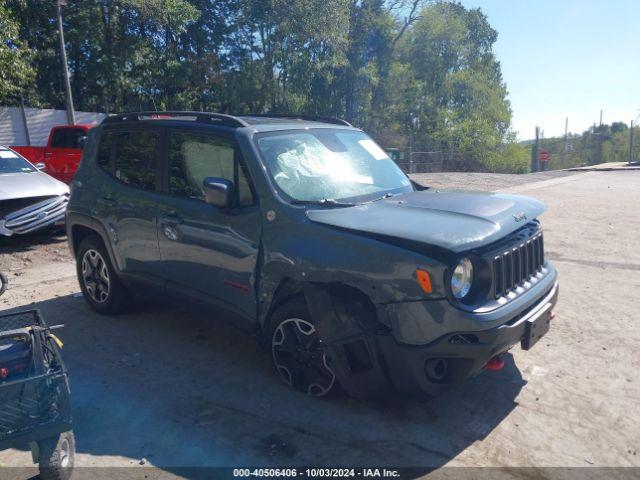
<point x="289" y="289"/>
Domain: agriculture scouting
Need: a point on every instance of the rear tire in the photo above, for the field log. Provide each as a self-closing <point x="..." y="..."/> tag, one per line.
<point x="297" y="353"/>
<point x="99" y="282"/>
<point x="57" y="456"/>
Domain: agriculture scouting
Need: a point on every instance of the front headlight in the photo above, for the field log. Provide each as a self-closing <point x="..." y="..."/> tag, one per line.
<point x="462" y="278"/>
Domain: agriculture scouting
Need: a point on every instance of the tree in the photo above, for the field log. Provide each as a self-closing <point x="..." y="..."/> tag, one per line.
<point x="454" y="85"/>
<point x="393" y="67"/>
<point x="15" y="68"/>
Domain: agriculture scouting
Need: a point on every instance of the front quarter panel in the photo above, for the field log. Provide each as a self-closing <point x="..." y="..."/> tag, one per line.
<point x="300" y="250"/>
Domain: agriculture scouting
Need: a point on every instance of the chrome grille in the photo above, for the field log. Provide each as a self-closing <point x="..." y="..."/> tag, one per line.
<point x="35" y="216"/>
<point x="517" y="265"/>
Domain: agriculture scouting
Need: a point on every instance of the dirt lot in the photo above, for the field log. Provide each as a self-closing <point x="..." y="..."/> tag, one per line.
<point x="180" y="388"/>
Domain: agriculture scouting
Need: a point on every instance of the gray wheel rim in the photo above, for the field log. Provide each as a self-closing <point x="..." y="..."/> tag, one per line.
<point x="300" y="359"/>
<point x="95" y="276"/>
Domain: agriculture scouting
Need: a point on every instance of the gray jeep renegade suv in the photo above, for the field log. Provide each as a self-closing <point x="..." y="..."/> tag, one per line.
<point x="311" y="238"/>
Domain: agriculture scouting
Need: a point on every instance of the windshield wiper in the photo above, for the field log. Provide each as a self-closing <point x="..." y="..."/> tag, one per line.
<point x="325" y="202"/>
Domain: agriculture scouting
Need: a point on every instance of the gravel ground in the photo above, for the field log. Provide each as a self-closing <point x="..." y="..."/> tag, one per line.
<point x="165" y="386"/>
<point x="485" y="181"/>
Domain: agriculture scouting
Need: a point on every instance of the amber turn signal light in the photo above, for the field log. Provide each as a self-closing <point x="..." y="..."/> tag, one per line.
<point x="424" y="280"/>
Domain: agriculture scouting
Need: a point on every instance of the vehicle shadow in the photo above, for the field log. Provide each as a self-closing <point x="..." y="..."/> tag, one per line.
<point x="180" y="389"/>
<point x="31" y="241"/>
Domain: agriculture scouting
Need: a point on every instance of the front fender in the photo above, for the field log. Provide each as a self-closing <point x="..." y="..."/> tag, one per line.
<point x="384" y="272"/>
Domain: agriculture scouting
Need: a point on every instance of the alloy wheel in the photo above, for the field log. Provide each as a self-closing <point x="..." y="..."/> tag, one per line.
<point x="95" y="275"/>
<point x="300" y="357"/>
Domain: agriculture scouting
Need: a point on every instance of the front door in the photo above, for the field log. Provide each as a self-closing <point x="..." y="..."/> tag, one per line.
<point x="208" y="252"/>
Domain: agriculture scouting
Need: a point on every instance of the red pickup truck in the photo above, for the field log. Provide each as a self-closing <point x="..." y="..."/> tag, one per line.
<point x="63" y="152"/>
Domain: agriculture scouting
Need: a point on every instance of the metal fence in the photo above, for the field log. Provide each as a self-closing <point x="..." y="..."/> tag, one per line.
<point x="35" y="125"/>
<point x="419" y="162"/>
<point x="598" y="145"/>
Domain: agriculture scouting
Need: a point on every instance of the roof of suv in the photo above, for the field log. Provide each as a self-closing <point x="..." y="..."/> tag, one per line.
<point x="260" y="122"/>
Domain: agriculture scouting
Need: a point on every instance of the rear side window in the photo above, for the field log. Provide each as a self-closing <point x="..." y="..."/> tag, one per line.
<point x="194" y="157"/>
<point x="104" y="150"/>
<point x="136" y="159"/>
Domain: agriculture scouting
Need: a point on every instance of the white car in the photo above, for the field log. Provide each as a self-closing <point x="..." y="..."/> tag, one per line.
<point x="29" y="199"/>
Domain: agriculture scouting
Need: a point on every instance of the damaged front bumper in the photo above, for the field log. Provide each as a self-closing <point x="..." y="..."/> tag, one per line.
<point x="460" y="354"/>
<point x="423" y="346"/>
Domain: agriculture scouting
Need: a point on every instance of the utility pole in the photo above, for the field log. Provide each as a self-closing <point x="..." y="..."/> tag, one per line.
<point x="71" y="116"/>
<point x="631" y="143"/>
<point x="596" y="146"/>
<point x="23" y="114"/>
<point x="600" y="117"/>
<point x="534" y="151"/>
<point x="566" y="141"/>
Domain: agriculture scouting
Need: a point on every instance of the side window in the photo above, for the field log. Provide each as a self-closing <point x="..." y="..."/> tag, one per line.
<point x="104" y="150"/>
<point x="67" y="138"/>
<point x="193" y="157"/>
<point x="59" y="139"/>
<point x="73" y="137"/>
<point x="136" y="159"/>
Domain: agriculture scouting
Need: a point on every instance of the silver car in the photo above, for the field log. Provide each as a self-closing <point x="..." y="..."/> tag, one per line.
<point x="29" y="199"/>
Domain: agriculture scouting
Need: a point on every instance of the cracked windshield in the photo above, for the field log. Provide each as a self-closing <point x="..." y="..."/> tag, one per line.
<point x="323" y="164"/>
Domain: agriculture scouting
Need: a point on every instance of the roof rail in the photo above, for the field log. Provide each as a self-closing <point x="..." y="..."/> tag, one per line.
<point x="311" y="118"/>
<point x="202" y="117"/>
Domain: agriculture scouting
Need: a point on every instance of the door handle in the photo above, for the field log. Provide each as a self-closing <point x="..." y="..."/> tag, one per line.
<point x="107" y="202"/>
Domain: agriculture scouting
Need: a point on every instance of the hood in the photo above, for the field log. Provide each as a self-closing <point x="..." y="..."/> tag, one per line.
<point x="457" y="221"/>
<point x="34" y="184"/>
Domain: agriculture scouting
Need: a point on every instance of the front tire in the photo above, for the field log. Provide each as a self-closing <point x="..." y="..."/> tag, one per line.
<point x="100" y="285"/>
<point x="57" y="456"/>
<point x="298" y="354"/>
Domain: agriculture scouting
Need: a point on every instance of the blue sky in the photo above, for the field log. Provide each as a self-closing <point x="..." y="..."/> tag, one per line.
<point x="567" y="58"/>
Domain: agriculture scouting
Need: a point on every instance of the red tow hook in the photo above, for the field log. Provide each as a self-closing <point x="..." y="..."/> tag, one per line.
<point x="495" y="364"/>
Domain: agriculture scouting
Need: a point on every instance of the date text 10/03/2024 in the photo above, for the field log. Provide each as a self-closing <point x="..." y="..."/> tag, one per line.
<point x="317" y="472"/>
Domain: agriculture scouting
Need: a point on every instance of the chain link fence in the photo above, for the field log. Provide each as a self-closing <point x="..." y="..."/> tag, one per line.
<point x="599" y="145"/>
<point x="417" y="162"/>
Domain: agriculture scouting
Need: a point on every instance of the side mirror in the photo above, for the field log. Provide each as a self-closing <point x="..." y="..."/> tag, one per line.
<point x="40" y="166"/>
<point x="218" y="191"/>
<point x="82" y="141"/>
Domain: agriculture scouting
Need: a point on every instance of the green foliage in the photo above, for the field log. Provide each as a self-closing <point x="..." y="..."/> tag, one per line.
<point x="508" y="158"/>
<point x="455" y="88"/>
<point x="600" y="144"/>
<point x="15" y="71"/>
<point x="401" y="69"/>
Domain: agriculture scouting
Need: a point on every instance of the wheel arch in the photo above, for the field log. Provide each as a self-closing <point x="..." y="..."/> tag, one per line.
<point x="78" y="234"/>
<point x="80" y="227"/>
<point x="289" y="288"/>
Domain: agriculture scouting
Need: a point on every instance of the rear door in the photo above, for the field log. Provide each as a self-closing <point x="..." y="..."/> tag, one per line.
<point x="127" y="200"/>
<point x="62" y="155"/>
<point x="209" y="253"/>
